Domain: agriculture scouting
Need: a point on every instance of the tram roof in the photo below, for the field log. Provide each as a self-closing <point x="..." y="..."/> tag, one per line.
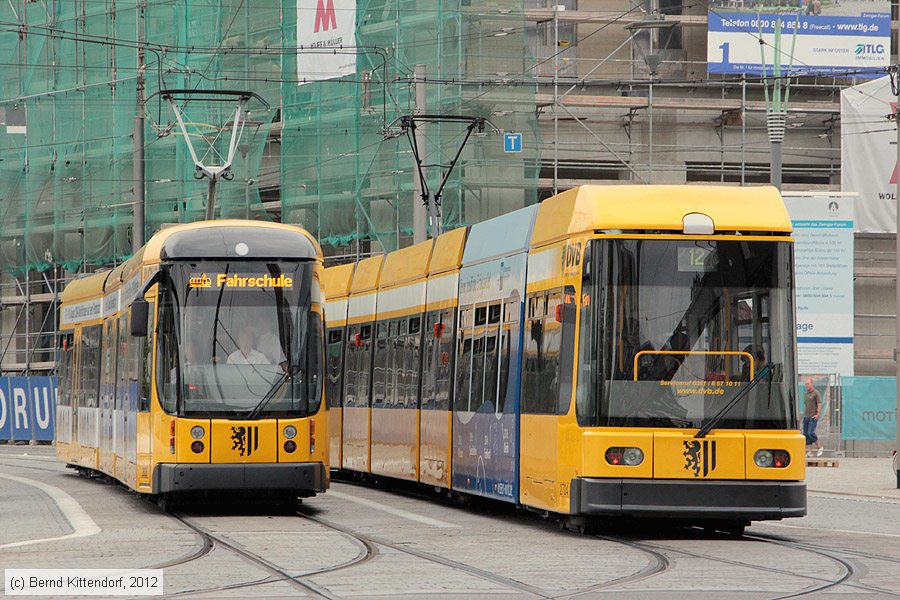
<point x="659" y="208"/>
<point x="501" y="236"/>
<point x="217" y="239"/>
<point x="405" y="265"/>
<point x="336" y="280"/>
<point x="84" y="287"/>
<point x="448" y="251"/>
<point x="365" y="277"/>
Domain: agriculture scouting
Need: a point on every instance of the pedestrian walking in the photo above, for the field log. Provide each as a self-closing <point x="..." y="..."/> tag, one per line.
<point x="812" y="407"/>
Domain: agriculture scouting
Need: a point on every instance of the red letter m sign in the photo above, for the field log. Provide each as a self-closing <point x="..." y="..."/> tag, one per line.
<point x="324" y="16"/>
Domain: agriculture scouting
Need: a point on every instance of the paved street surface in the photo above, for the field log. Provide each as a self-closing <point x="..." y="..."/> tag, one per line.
<point x="360" y="542"/>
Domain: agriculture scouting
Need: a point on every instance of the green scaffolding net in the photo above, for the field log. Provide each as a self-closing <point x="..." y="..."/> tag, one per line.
<point x="318" y="156"/>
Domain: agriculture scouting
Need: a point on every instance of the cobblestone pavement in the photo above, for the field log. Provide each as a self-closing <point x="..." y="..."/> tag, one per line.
<point x="360" y="542"/>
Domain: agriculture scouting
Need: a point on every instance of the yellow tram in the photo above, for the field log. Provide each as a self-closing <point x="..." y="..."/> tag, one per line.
<point x="624" y="350"/>
<point x="197" y="364"/>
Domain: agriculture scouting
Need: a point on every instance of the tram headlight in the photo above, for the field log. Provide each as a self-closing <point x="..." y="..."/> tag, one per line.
<point x="290" y="432"/>
<point x="197" y="432"/>
<point x="763" y="458"/>
<point x="632" y="457"/>
<point x="290" y="446"/>
<point x="197" y="447"/>
<point x="767" y="459"/>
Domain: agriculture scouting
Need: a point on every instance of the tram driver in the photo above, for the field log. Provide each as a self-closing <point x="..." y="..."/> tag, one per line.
<point x="246" y="354"/>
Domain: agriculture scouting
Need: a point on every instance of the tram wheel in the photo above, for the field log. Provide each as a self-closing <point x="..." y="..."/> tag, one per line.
<point x="735" y="528"/>
<point x="166" y="502"/>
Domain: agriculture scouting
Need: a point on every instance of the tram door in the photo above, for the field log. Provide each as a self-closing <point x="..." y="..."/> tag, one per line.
<point x="85" y="417"/>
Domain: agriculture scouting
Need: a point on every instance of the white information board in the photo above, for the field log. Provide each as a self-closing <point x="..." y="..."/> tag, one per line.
<point x="823" y="267"/>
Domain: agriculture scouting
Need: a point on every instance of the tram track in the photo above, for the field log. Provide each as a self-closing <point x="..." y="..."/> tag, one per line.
<point x="659" y="564"/>
<point x="468" y="569"/>
<point x="276" y="572"/>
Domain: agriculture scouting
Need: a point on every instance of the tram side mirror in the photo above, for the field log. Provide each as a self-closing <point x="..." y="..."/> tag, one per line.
<point x="140" y="310"/>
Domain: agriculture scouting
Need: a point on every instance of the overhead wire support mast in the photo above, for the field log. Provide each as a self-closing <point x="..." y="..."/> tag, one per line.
<point x="894" y="72"/>
<point x="213" y="172"/>
<point x="407" y="125"/>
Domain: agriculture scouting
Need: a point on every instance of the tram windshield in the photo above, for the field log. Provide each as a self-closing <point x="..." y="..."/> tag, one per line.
<point x="240" y="339"/>
<point x="672" y="330"/>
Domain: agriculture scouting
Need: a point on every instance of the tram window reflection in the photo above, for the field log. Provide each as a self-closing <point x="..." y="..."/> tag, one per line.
<point x="676" y="332"/>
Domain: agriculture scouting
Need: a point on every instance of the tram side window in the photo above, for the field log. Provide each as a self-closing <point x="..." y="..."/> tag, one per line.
<point x="532" y="359"/>
<point x="444" y="377"/>
<point x="364" y="365"/>
<point x="335" y="358"/>
<point x="66" y="368"/>
<point x="507" y="331"/>
<point x="314" y="363"/>
<point x="491" y="356"/>
<point x="350" y="368"/>
<point x="430" y="359"/>
<point x="542" y="345"/>
<point x="126" y="387"/>
<point x="589" y="336"/>
<point x="90" y="365"/>
<point x="143" y="362"/>
<point x="464" y="362"/>
<point x="413" y="362"/>
<point x="381" y="363"/>
<point x="167" y="356"/>
<point x="108" y="385"/>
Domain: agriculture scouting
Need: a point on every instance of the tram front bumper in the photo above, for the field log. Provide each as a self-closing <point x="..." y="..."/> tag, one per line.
<point x="746" y="500"/>
<point x="289" y="477"/>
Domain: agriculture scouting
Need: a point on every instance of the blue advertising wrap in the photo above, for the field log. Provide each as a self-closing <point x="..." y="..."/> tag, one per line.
<point x="869" y="408"/>
<point x="27" y="408"/>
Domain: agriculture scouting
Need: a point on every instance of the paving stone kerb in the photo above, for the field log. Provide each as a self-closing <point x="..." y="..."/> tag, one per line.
<point x="856" y="476"/>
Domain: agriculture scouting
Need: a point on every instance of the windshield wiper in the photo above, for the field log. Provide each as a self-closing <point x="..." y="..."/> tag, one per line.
<point x="253" y="414"/>
<point x="763" y="373"/>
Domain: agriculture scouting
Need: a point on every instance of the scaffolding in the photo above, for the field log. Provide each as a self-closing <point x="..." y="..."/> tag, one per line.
<point x="83" y="152"/>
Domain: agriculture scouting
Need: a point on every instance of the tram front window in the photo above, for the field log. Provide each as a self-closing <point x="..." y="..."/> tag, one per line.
<point x="672" y="330"/>
<point x="246" y="340"/>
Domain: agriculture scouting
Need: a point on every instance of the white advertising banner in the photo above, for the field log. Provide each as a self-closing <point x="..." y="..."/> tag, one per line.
<point x="823" y="268"/>
<point x="869" y="154"/>
<point x="326" y="37"/>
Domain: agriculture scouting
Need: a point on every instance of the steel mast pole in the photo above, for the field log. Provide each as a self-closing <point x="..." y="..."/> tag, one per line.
<point x="420" y="210"/>
<point x="137" y="226"/>
<point x="896" y="90"/>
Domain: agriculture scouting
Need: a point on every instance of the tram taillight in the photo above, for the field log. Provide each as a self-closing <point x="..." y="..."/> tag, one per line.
<point x="172" y="437"/>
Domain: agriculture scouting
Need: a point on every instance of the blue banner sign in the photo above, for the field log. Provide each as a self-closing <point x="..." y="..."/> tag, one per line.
<point x="869" y="408"/>
<point x="813" y="37"/>
<point x="27" y="408"/>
